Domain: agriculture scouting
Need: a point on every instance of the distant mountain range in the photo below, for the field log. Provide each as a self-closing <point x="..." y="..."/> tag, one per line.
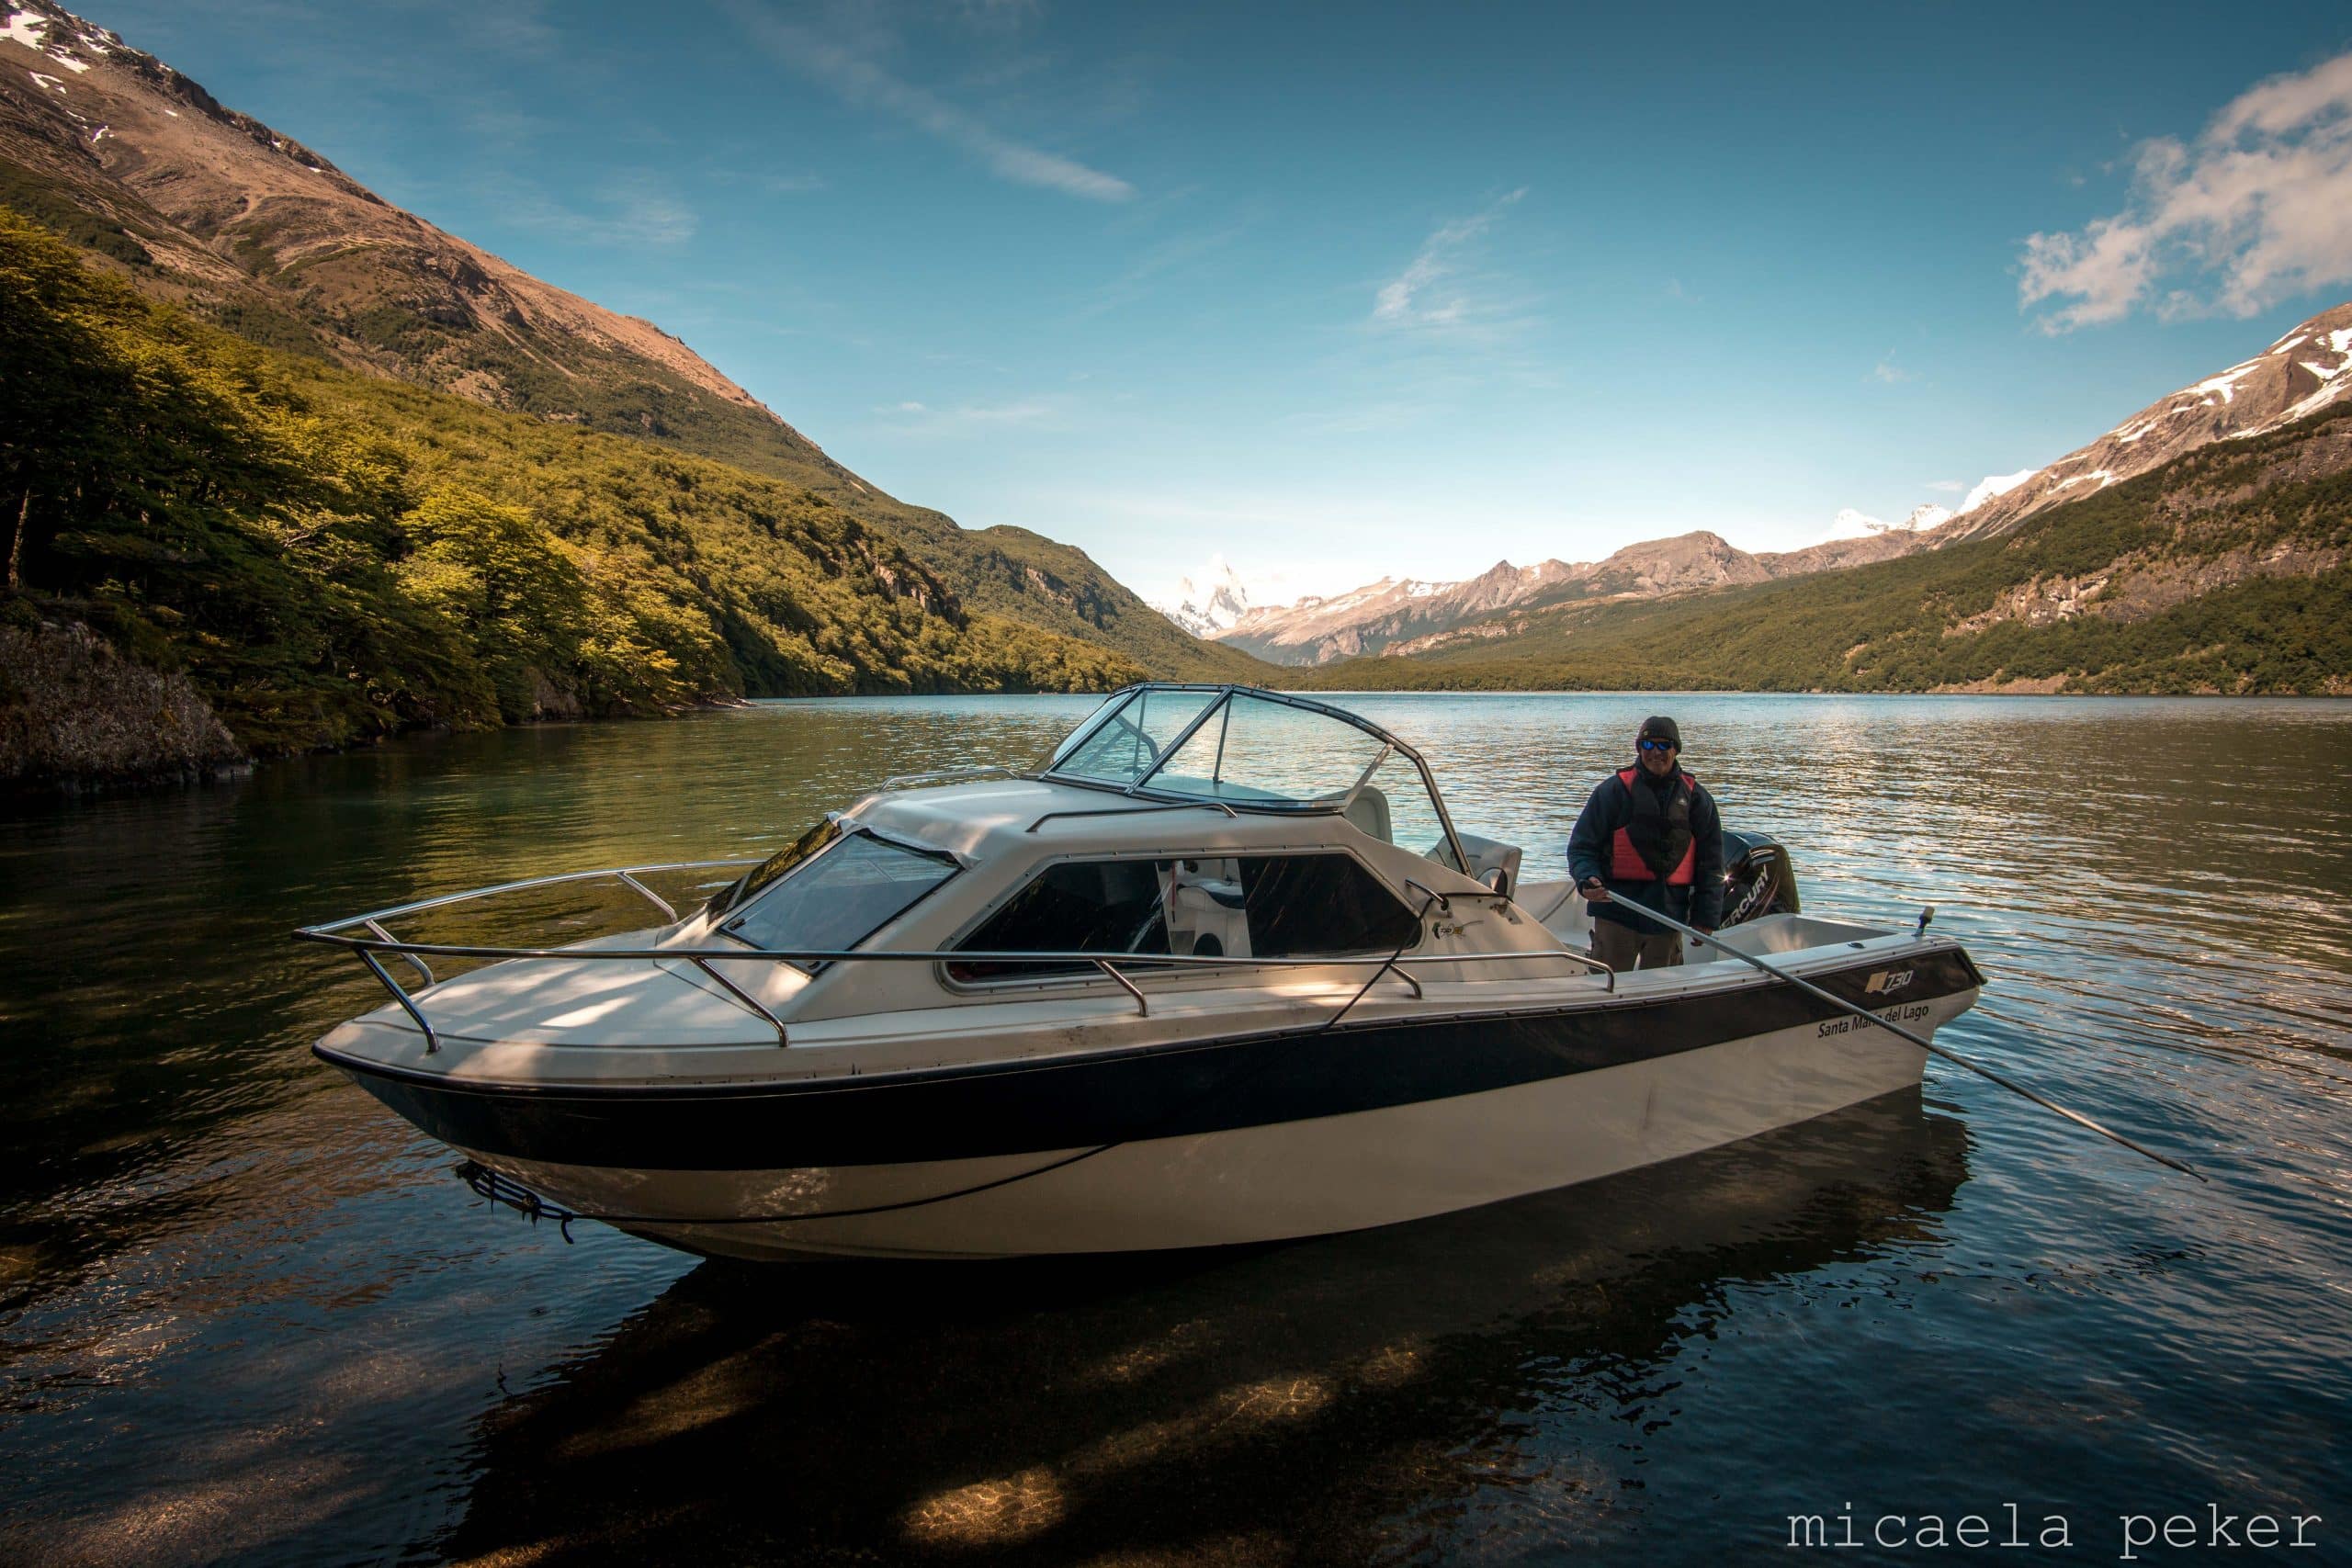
<point x="1401" y="616"/>
<point x="201" y="206"/>
<point x="2225" y="569"/>
<point x="2304" y="372"/>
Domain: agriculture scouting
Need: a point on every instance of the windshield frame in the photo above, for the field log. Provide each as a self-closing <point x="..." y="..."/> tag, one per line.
<point x="1143" y="788"/>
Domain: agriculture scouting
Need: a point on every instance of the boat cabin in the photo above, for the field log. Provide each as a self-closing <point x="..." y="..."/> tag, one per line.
<point x="1178" y="822"/>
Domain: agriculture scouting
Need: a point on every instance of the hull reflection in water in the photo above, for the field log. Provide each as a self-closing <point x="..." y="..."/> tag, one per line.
<point x="1323" y="1399"/>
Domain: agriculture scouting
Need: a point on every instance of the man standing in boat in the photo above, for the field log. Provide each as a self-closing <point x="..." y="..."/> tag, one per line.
<point x="1650" y="835"/>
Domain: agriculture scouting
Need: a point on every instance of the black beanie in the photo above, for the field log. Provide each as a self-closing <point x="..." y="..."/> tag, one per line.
<point x="1660" y="728"/>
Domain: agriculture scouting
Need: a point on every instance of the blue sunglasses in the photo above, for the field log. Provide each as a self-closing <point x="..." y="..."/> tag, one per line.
<point x="1655" y="745"/>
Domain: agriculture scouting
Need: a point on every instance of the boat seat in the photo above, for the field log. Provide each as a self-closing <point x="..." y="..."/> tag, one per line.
<point x="1488" y="856"/>
<point x="1369" y="812"/>
<point x="1208" y="913"/>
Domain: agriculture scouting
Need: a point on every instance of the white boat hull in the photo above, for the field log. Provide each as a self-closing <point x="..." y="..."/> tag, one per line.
<point x="1267" y="1182"/>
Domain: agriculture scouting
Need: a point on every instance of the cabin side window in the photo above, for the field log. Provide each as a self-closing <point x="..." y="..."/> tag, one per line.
<point x="1237" y="907"/>
<point x="835" y="900"/>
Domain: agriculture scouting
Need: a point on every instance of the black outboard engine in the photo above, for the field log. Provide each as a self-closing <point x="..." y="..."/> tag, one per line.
<point x="1757" y="878"/>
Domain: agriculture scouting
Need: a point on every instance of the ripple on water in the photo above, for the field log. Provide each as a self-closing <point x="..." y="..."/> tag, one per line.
<point x="243" y="1312"/>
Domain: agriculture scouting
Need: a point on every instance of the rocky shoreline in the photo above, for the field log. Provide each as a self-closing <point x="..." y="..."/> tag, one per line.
<point x="77" y="718"/>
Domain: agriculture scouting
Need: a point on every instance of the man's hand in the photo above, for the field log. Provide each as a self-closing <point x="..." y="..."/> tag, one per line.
<point x="1594" y="893"/>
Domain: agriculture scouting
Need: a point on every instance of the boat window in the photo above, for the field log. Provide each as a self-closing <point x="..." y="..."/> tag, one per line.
<point x="1270" y="753"/>
<point x="781" y="864"/>
<point x="836" y="900"/>
<point x="1123" y="744"/>
<point x="1107" y="907"/>
<point x="1238" y="906"/>
<point x="1395" y="806"/>
<point x="1308" y="905"/>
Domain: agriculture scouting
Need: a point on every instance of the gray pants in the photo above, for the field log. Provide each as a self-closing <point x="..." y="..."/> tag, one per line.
<point x="1621" y="947"/>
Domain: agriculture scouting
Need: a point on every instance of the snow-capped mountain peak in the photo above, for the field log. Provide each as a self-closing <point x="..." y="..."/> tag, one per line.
<point x="1850" y="523"/>
<point x="1992" y="485"/>
<point x="2304" y="371"/>
<point x="57" y="34"/>
<point x="1212" y="606"/>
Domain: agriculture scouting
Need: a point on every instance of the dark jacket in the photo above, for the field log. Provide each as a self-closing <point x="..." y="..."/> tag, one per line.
<point x="1612" y="807"/>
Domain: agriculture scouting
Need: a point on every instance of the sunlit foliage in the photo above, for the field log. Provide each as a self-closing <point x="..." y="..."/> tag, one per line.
<point x="331" y="558"/>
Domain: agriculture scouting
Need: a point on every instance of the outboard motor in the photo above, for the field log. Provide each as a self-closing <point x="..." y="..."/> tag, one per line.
<point x="1759" y="880"/>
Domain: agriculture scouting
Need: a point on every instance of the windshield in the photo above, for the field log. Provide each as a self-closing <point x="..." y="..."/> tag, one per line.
<point x="1270" y="752"/>
<point x="780" y="863"/>
<point x="1126" y="739"/>
<point x="1259" y="750"/>
<point x="832" y="901"/>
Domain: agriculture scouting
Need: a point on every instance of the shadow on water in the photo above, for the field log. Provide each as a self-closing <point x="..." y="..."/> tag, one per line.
<point x="1327" y="1401"/>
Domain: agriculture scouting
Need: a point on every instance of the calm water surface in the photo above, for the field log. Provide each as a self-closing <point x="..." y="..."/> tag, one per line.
<point x="246" y="1314"/>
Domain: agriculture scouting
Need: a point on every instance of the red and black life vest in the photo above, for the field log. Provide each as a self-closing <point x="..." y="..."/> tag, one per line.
<point x="1656" y="843"/>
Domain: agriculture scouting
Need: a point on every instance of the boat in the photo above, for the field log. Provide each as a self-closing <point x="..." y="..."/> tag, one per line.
<point x="1220" y="969"/>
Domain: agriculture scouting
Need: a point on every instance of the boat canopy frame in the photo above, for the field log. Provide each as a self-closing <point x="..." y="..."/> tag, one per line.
<point x="1221" y="697"/>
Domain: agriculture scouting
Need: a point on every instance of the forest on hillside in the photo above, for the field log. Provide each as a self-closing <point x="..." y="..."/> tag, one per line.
<point x="2221" y="572"/>
<point x="327" y="557"/>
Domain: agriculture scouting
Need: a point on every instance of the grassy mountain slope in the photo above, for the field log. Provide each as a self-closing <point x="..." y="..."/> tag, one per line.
<point x="329" y="557"/>
<point x="2222" y="571"/>
<point x="201" y="206"/>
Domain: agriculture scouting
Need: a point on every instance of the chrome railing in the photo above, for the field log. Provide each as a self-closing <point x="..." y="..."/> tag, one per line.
<point x="380" y="940"/>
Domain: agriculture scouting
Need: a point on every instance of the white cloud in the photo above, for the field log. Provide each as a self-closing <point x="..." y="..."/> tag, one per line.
<point x="859" y="81"/>
<point x="1947" y="487"/>
<point x="1890" y="374"/>
<point x="1177" y="254"/>
<point x="635" y="209"/>
<point x="969" y="416"/>
<point x="1432" y="290"/>
<point x="2258" y="209"/>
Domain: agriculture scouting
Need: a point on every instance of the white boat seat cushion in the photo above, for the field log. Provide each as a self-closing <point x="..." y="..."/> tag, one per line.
<point x="1369" y="812"/>
<point x="1489" y="855"/>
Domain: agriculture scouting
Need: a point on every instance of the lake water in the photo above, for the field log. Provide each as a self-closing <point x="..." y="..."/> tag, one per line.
<point x="247" y="1314"/>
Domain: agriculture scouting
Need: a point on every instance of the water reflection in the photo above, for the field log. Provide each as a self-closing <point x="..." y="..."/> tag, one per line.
<point x="1305" y="1401"/>
<point x="245" y="1313"/>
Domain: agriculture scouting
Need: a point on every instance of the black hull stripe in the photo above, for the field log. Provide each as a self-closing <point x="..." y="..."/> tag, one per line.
<point x="1155" y="1092"/>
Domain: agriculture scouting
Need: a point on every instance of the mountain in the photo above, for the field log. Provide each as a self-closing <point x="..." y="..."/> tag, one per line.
<point x="1211" y="608"/>
<point x="2227" y="569"/>
<point x="199" y="206"/>
<point x="2306" y="372"/>
<point x="277" y="555"/>
<point x="2303" y="372"/>
<point x="1852" y="525"/>
<point x="1402" y="618"/>
<point x="1316" y="629"/>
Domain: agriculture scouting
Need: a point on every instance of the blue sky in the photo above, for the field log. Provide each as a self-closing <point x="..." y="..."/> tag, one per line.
<point x="1352" y="290"/>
